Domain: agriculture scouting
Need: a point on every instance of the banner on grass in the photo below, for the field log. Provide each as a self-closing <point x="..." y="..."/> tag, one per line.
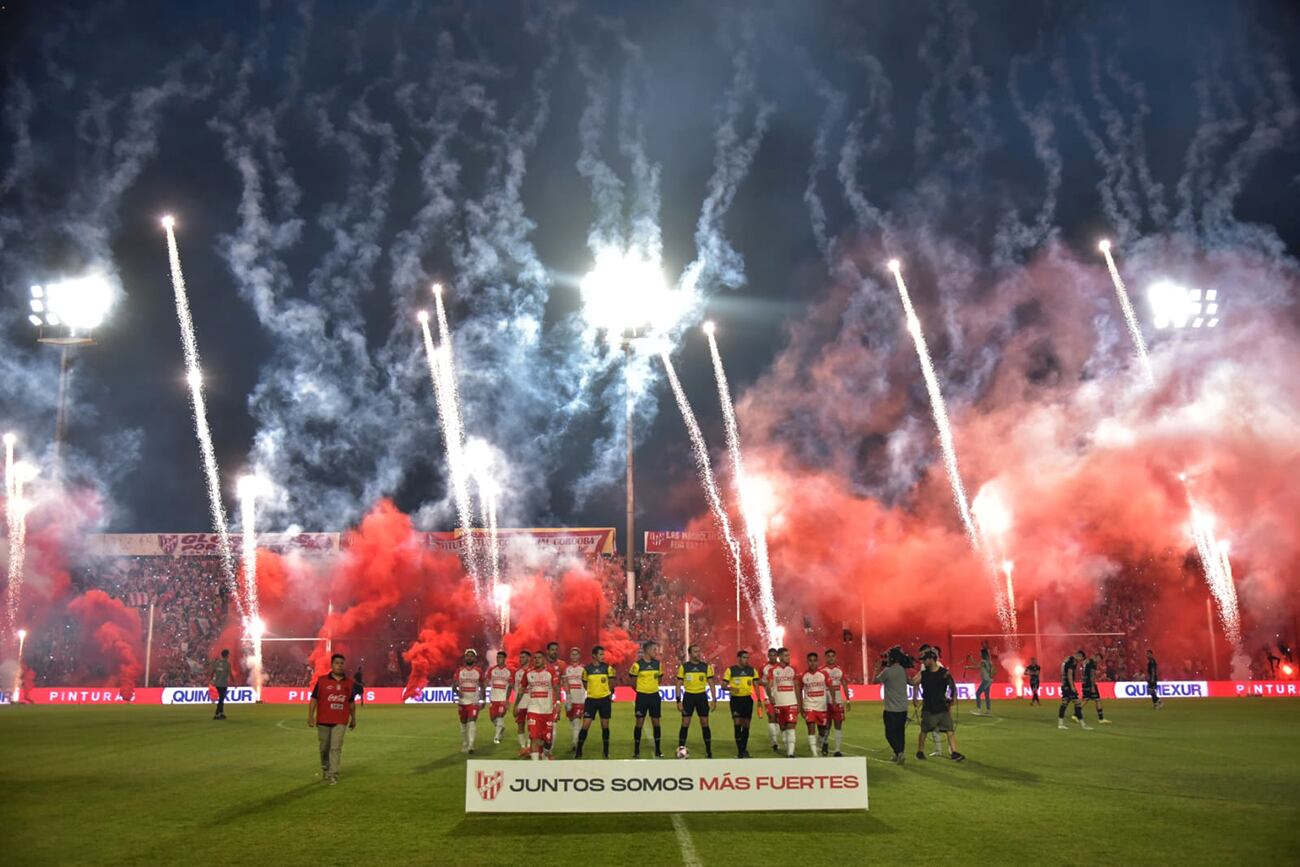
<point x="720" y="785"/>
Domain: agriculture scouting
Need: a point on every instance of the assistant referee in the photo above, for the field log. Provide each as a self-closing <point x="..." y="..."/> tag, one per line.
<point x="739" y="679"/>
<point x="646" y="673"/>
<point x="694" y="677"/>
<point x="596" y="678"/>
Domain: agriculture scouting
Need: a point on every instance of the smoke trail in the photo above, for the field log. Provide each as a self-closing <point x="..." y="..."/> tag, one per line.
<point x="705" y="470"/>
<point x="755" y="522"/>
<point x="249" y="489"/>
<point x="194" y="376"/>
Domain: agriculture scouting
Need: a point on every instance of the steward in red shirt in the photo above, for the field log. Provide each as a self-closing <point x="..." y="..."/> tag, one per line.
<point x="333" y="706"/>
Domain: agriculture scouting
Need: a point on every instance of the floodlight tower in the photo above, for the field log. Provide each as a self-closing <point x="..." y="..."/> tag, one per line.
<point x="625" y="295"/>
<point x="65" y="314"/>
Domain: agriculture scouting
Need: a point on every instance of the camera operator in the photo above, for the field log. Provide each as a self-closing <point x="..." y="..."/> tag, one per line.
<point x="938" y="691"/>
<point x="891" y="674"/>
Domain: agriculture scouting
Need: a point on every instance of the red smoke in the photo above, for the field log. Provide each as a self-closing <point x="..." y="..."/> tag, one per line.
<point x="110" y="631"/>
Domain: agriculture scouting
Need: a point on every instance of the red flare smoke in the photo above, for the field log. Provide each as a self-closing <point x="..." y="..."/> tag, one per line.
<point x="111" y="631"/>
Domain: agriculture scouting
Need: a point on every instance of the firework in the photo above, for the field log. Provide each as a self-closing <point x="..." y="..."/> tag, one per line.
<point x="1213" y="556"/>
<point x="194" y="376"/>
<point x="249" y="489"/>
<point x="1130" y="317"/>
<point x="439" y="361"/>
<point x="752" y="510"/>
<point x="705" y="470"/>
<point x="993" y="520"/>
<point x="17" y="476"/>
<point x="11" y="603"/>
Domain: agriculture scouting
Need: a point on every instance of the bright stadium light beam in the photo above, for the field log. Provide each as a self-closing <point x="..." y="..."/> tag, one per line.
<point x="194" y="376"/>
<point x="1130" y="316"/>
<point x="705" y="471"/>
<point x="757" y="500"/>
<point x="79" y="304"/>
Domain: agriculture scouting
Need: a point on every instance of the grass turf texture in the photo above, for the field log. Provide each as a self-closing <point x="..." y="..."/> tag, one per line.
<point x="1207" y="781"/>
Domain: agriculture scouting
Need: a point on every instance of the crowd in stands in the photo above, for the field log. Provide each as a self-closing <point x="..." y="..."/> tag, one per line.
<point x="191" y="606"/>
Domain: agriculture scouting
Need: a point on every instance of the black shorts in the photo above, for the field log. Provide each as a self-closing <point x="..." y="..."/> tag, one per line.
<point x="1091" y="693"/>
<point x="695" y="702"/>
<point x="1033" y="684"/>
<point x="647" y="705"/>
<point x="1068" y="693"/>
<point x="742" y="706"/>
<point x="598" y="707"/>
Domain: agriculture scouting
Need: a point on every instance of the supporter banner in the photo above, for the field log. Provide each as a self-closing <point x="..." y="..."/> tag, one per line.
<point x="202" y="544"/>
<point x="441" y="695"/>
<point x="719" y="785"/>
<point x="579" y="541"/>
<point x="667" y="541"/>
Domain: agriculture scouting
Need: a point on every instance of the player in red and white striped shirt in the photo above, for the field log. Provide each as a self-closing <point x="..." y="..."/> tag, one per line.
<point x="575" y="693"/>
<point x="839" y="700"/>
<point x="785" y="698"/>
<point x="467" y="686"/>
<point x="773" y="728"/>
<point x="540" y="699"/>
<point x="814" y="693"/>
<point x="521" y="712"/>
<point x="500" y="685"/>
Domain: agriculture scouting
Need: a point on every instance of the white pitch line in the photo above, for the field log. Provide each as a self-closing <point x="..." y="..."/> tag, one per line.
<point x="690" y="858"/>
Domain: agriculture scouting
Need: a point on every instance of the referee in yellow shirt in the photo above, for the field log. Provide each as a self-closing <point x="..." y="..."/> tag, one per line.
<point x="740" y="679"/>
<point x="694" y="677"/>
<point x="596" y="677"/>
<point x="646" y="673"/>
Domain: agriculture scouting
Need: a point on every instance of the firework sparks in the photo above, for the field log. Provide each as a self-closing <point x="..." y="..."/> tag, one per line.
<point x="17" y="475"/>
<point x="752" y="511"/>
<point x="442" y="377"/>
<point x="1130" y="316"/>
<point x="11" y="525"/>
<point x="707" y="480"/>
<point x="993" y="519"/>
<point x="194" y="376"/>
<point x="249" y="489"/>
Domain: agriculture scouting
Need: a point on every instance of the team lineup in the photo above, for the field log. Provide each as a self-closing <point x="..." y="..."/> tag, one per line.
<point x="541" y="688"/>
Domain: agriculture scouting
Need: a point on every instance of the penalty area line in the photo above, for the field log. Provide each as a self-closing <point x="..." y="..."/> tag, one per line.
<point x="690" y="858"/>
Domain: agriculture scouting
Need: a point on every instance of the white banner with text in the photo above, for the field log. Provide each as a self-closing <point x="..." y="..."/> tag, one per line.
<point x="717" y="785"/>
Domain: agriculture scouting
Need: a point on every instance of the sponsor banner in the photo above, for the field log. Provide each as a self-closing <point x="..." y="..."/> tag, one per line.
<point x="717" y="785"/>
<point x="578" y="541"/>
<point x="1167" y="689"/>
<point x="441" y="695"/>
<point x="203" y="544"/>
<point x="667" y="541"/>
<point x="203" y="695"/>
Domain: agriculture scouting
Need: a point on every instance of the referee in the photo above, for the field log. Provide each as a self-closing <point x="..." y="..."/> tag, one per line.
<point x="694" y="677"/>
<point x="646" y="673"/>
<point x="739" y="679"/>
<point x="596" y="678"/>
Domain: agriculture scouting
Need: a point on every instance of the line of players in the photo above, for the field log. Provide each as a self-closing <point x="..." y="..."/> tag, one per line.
<point x="543" y="688"/>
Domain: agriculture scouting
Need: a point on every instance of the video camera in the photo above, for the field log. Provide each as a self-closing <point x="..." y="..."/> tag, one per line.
<point x="896" y="654"/>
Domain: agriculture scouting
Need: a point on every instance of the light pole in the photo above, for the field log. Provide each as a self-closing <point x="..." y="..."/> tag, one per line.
<point x="65" y="314"/>
<point x="625" y="294"/>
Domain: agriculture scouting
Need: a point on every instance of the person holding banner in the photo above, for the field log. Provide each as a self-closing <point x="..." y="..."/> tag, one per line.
<point x="741" y="681"/>
<point x="541" y="700"/>
<point x="646" y="673"/>
<point x="597" y="679"/>
<point x="695" y="677"/>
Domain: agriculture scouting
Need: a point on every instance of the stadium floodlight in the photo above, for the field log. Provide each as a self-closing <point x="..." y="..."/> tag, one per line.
<point x="80" y="304"/>
<point x="1176" y="306"/>
<point x="626" y="291"/>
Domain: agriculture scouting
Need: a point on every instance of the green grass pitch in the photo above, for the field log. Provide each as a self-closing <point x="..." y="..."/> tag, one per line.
<point x="1208" y="781"/>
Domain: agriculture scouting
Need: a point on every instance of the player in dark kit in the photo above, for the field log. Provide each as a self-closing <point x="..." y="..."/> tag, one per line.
<point x="696" y="694"/>
<point x="1034" y="670"/>
<point x="1091" y="693"/>
<point x="1069" y="691"/>
<point x="598" y="678"/>
<point x="740" y="679"/>
<point x="646" y="673"/>
<point x="1153" y="681"/>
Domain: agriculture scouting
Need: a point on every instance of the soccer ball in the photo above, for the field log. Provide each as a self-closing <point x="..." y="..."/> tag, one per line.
<point x="683" y="753"/>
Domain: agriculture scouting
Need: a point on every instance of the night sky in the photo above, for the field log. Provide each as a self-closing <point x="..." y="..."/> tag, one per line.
<point x="327" y="161"/>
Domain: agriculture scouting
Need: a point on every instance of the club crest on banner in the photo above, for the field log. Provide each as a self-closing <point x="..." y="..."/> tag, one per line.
<point x="489" y="784"/>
